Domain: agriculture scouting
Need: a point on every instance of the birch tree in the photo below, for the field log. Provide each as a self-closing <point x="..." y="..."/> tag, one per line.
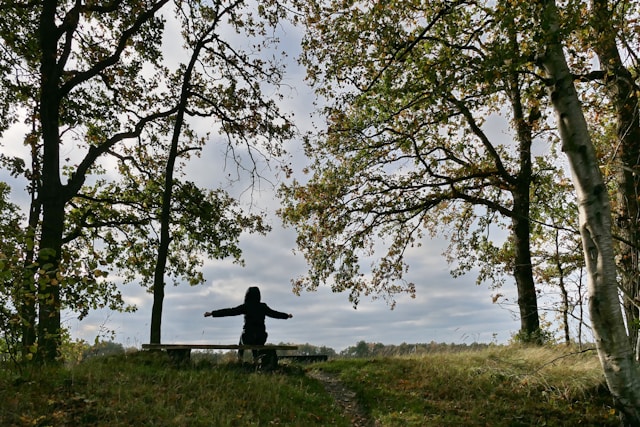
<point x="614" y="349"/>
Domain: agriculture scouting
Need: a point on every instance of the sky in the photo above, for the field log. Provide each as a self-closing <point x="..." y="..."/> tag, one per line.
<point x="445" y="309"/>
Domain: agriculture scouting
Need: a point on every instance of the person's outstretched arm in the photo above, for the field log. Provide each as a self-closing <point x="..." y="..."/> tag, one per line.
<point x="235" y="311"/>
<point x="277" y="314"/>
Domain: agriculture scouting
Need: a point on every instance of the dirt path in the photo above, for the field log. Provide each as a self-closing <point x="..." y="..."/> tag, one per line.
<point x="343" y="397"/>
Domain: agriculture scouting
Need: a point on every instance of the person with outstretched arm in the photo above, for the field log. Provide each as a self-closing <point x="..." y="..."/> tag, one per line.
<point x="254" y="331"/>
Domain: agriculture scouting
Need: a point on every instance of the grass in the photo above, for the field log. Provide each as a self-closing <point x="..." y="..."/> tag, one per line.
<point x="499" y="386"/>
<point x="147" y="390"/>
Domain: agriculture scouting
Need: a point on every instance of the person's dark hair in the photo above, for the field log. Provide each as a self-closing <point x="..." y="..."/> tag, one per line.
<point x="252" y="296"/>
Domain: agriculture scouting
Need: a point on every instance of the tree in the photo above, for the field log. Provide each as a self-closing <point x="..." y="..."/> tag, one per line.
<point x="247" y="101"/>
<point x="407" y="150"/>
<point x="361" y="349"/>
<point x="616" y="357"/>
<point x="83" y="69"/>
<point x="557" y="258"/>
<point x="366" y="72"/>
<point x="11" y="263"/>
<point x="94" y="77"/>
<point x="70" y="82"/>
<point x="24" y="301"/>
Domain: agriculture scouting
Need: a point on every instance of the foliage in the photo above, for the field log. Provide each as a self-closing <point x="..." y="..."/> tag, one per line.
<point x="557" y="257"/>
<point x="102" y="349"/>
<point x="311" y="350"/>
<point x="414" y="95"/>
<point x="363" y="349"/>
<point x="72" y="350"/>
<point x="11" y="268"/>
<point x="204" y="223"/>
<point x="541" y="335"/>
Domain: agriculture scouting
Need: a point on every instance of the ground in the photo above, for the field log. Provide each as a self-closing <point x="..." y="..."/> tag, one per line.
<point x="344" y="397"/>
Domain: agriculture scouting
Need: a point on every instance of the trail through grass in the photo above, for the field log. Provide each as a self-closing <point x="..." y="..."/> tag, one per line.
<point x="504" y="386"/>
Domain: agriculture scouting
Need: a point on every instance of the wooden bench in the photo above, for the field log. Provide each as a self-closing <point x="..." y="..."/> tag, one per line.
<point x="182" y="352"/>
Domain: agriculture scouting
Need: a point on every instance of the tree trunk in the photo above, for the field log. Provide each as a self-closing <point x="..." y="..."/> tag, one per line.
<point x="523" y="272"/>
<point x="622" y="91"/>
<point x="49" y="332"/>
<point x="563" y="288"/>
<point x="27" y="301"/>
<point x="523" y="269"/>
<point x="52" y="195"/>
<point x="612" y="342"/>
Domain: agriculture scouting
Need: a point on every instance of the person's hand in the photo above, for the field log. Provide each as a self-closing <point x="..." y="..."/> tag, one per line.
<point x="290" y="315"/>
<point x="207" y="314"/>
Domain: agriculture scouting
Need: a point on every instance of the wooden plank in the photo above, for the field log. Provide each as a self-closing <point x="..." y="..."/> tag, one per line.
<point x="216" y="347"/>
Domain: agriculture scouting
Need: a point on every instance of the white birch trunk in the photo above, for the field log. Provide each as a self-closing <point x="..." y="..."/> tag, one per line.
<point x="614" y="349"/>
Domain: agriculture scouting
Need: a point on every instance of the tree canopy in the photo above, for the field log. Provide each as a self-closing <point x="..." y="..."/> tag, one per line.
<point x="414" y="95"/>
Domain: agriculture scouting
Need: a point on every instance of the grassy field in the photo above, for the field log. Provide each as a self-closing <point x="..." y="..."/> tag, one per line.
<point x="498" y="386"/>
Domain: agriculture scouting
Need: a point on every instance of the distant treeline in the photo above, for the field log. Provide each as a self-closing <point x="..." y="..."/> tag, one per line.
<point x="359" y="350"/>
<point x="365" y="349"/>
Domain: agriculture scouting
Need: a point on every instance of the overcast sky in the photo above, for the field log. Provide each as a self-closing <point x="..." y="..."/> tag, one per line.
<point x="444" y="310"/>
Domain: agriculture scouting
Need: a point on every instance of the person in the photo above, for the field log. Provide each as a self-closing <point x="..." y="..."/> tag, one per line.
<point x="254" y="331"/>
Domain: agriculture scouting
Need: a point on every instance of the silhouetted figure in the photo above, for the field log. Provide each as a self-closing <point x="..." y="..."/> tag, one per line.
<point x="254" y="331"/>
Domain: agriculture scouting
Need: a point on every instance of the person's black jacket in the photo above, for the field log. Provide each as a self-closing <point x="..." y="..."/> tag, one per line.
<point x="254" y="315"/>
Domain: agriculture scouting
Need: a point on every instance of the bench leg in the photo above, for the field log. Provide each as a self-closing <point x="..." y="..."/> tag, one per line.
<point x="268" y="359"/>
<point x="179" y="356"/>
